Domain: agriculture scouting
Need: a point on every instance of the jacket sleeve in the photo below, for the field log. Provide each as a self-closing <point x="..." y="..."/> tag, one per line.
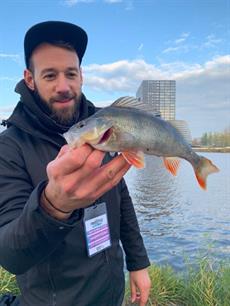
<point x="27" y="234"/>
<point x="132" y="242"/>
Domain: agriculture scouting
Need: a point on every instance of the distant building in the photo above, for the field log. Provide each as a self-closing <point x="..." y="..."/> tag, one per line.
<point x="161" y="95"/>
<point x="183" y="128"/>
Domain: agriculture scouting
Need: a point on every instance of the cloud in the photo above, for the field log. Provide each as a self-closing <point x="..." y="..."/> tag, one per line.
<point x="203" y="95"/>
<point x="176" y="49"/>
<point x="113" y="1"/>
<point x="5" y="112"/>
<point x="6" y="55"/>
<point x="119" y="76"/>
<point x="178" y="44"/>
<point x="9" y="79"/>
<point x="140" y="47"/>
<point x="6" y="109"/>
<point x="211" y="42"/>
<point x="71" y="3"/>
<point x="14" y="57"/>
<point x="103" y="77"/>
<point x="182" y="38"/>
<point x="184" y="44"/>
<point x="128" y="4"/>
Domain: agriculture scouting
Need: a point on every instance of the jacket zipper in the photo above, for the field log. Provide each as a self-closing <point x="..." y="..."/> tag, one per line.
<point x="54" y="295"/>
<point x="106" y="256"/>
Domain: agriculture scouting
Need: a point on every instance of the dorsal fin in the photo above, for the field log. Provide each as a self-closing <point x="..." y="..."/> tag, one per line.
<point x="183" y="128"/>
<point x="133" y="103"/>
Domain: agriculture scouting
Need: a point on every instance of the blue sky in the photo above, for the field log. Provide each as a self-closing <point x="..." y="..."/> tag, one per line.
<point x="130" y="41"/>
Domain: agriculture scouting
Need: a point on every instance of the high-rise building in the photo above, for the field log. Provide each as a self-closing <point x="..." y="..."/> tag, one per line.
<point x="161" y="95"/>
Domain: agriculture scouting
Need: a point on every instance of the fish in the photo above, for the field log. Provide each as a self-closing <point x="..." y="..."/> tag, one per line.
<point x="127" y="126"/>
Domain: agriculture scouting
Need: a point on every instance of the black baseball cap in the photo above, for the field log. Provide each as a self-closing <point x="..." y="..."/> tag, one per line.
<point x="54" y="31"/>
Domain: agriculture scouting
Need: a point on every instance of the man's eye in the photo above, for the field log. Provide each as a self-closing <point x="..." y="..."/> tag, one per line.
<point x="71" y="75"/>
<point x="49" y="76"/>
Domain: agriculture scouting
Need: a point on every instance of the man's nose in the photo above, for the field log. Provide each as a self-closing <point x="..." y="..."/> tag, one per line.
<point x="62" y="84"/>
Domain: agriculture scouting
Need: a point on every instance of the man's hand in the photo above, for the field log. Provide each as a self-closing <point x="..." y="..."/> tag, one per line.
<point x="77" y="179"/>
<point x="140" y="285"/>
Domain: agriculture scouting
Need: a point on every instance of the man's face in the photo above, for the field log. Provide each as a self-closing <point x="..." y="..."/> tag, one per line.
<point x="57" y="79"/>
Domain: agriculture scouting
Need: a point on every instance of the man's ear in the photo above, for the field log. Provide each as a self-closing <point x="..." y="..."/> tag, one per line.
<point x="81" y="76"/>
<point x="28" y="77"/>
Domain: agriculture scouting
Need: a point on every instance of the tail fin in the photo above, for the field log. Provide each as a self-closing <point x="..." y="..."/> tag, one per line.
<point x="203" y="169"/>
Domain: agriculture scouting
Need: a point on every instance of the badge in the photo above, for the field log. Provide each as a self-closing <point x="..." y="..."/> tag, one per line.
<point x="96" y="228"/>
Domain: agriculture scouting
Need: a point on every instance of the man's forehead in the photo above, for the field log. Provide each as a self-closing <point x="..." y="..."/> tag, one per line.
<point x="47" y="56"/>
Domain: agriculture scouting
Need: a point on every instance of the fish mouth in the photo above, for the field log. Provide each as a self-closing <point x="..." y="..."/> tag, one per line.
<point x="105" y="136"/>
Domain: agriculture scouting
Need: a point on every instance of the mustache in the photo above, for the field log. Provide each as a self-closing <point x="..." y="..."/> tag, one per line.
<point x="62" y="96"/>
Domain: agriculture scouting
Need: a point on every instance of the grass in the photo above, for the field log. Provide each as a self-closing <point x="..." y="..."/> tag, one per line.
<point x="8" y="283"/>
<point x="206" y="285"/>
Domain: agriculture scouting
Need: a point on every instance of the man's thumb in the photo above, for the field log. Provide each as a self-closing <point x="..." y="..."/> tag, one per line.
<point x="133" y="292"/>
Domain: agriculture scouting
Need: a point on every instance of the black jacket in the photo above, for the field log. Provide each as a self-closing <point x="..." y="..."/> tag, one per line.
<point x="49" y="256"/>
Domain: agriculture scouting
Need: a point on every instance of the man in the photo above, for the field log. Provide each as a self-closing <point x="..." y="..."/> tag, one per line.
<point x="63" y="212"/>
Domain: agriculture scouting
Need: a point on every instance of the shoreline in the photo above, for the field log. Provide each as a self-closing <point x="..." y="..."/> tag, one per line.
<point x="212" y="149"/>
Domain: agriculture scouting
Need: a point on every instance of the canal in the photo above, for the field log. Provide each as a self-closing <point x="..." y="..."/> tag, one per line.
<point x="179" y="221"/>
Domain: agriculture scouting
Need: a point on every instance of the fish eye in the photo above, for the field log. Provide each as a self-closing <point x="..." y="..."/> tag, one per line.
<point x="81" y="124"/>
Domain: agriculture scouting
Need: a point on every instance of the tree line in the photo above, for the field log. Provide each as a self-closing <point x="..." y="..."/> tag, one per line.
<point x="214" y="139"/>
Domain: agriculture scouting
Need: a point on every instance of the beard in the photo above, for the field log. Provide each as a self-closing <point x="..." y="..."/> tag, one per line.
<point x="66" y="116"/>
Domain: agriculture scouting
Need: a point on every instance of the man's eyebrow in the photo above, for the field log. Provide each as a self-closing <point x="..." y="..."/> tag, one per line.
<point x="48" y="70"/>
<point x="73" y="68"/>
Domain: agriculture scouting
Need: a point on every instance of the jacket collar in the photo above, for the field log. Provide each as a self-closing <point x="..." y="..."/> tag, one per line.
<point x="30" y="117"/>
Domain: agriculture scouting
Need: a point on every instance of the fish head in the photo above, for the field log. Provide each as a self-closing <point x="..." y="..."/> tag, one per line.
<point x="92" y="131"/>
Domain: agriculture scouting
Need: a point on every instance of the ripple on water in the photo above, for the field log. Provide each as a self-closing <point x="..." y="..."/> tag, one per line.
<point x="178" y="220"/>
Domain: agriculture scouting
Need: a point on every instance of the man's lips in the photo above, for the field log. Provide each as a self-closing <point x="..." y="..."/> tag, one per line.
<point x="66" y="100"/>
<point x="63" y="102"/>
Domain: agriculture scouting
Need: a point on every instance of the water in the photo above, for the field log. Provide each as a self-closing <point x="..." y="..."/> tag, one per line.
<point x="179" y="221"/>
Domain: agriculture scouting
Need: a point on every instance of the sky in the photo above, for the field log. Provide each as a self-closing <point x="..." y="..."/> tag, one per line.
<point x="130" y="41"/>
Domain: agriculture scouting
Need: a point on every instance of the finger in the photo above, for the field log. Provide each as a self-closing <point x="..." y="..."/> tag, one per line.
<point x="144" y="294"/>
<point x="133" y="292"/>
<point x="63" y="150"/>
<point x="79" y="178"/>
<point x="108" y="176"/>
<point x="101" y="180"/>
<point x="112" y="182"/>
<point x="70" y="160"/>
<point x="94" y="160"/>
<point x="111" y="169"/>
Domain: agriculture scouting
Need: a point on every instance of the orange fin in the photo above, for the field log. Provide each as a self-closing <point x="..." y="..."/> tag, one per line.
<point x="204" y="168"/>
<point x="136" y="159"/>
<point x="171" y="164"/>
<point x="201" y="181"/>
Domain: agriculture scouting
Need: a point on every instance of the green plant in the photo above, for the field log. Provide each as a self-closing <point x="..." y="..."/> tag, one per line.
<point x="203" y="285"/>
<point x="8" y="283"/>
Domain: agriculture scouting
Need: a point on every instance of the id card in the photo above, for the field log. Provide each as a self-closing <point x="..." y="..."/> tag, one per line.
<point x="96" y="229"/>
